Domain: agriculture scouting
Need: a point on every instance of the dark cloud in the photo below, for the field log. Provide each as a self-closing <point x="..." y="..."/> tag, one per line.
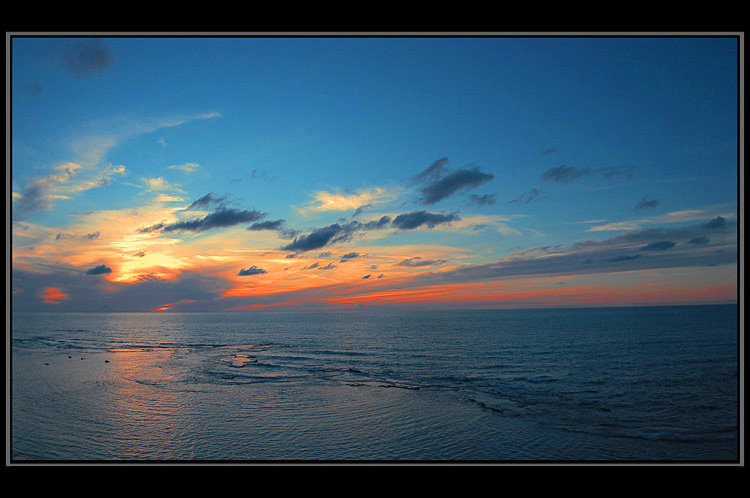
<point x="87" y="57"/>
<point x="140" y="254"/>
<point x="319" y="238"/>
<point x="623" y="257"/>
<point x="718" y="222"/>
<point x="546" y="152"/>
<point x="98" y="270"/>
<point x="288" y="233"/>
<point x="698" y="240"/>
<point x="261" y="175"/>
<point x="381" y="276"/>
<point x="532" y="195"/>
<point x="611" y="171"/>
<point x="322" y="237"/>
<point x="92" y="236"/>
<point x="253" y="270"/>
<point x="224" y="217"/>
<point x="329" y="266"/>
<point x="463" y="179"/>
<point x="661" y="245"/>
<point x="365" y="277"/>
<point x="417" y="261"/>
<point x="483" y="200"/>
<point x="267" y="225"/>
<point x="64" y="236"/>
<point x="616" y="254"/>
<point x="324" y="254"/>
<point x="349" y="256"/>
<point x="312" y="266"/>
<point x="207" y="200"/>
<point x="645" y="203"/>
<point x="432" y="173"/>
<point x="564" y="174"/>
<point x="415" y="219"/>
<point x="360" y="209"/>
<point x="567" y="174"/>
<point x="33" y="89"/>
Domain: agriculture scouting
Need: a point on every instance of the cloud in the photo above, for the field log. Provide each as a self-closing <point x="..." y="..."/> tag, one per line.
<point x="532" y="195"/>
<point x="186" y="168"/>
<point x="207" y="200"/>
<point x="337" y="201"/>
<point x="432" y="173"/>
<point x="661" y="245"/>
<point x="319" y="238"/>
<point x="64" y="236"/>
<point x="53" y="295"/>
<point x="417" y="261"/>
<point x="673" y="217"/>
<point x="698" y="240"/>
<point x="645" y="203"/>
<point x="546" y="152"/>
<point x="349" y="256"/>
<point x="87" y="57"/>
<point x="564" y="174"/>
<point x="329" y="266"/>
<point x="33" y="89"/>
<point x="415" y="219"/>
<point x="360" y="209"/>
<point x="483" y="200"/>
<point x="262" y="175"/>
<point x="365" y="277"/>
<point x="439" y="188"/>
<point x="99" y="270"/>
<point x="92" y="236"/>
<point x="266" y="225"/>
<point x="615" y="254"/>
<point x="158" y="184"/>
<point x="567" y="174"/>
<point x="623" y="257"/>
<point x="222" y="218"/>
<point x="253" y="270"/>
<point x="332" y="234"/>
<point x="718" y="222"/>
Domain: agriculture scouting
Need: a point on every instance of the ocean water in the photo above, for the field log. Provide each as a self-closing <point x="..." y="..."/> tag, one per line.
<point x="646" y="384"/>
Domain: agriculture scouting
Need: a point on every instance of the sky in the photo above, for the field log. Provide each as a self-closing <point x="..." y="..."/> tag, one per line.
<point x="310" y="174"/>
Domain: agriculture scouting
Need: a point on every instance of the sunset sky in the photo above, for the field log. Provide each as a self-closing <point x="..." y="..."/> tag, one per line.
<point x="291" y="174"/>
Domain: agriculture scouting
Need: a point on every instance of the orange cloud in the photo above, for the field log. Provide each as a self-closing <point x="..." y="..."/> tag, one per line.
<point x="53" y="295"/>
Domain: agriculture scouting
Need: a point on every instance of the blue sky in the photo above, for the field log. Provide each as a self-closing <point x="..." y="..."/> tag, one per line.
<point x="560" y="141"/>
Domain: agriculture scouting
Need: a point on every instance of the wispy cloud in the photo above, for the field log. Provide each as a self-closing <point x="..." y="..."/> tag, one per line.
<point x="186" y="168"/>
<point x="567" y="174"/>
<point x="343" y="201"/>
<point x="645" y="203"/>
<point x="532" y="195"/>
<point x="681" y="216"/>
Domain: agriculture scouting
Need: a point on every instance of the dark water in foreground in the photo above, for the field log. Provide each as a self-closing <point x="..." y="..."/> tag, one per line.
<point x="597" y="384"/>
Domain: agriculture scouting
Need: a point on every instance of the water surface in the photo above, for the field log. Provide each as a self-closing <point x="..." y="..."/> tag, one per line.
<point x="651" y="383"/>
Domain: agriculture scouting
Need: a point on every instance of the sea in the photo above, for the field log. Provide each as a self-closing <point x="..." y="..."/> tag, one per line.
<point x="630" y="384"/>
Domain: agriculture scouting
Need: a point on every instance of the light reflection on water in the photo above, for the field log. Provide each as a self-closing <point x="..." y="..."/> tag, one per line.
<point x="507" y="385"/>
